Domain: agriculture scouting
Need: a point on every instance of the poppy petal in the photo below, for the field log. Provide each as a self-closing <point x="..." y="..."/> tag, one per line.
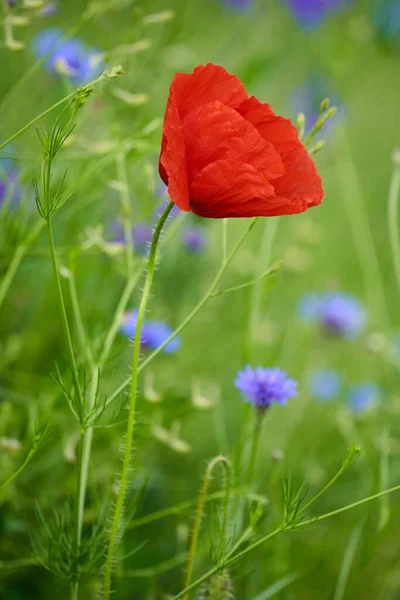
<point x="172" y="164"/>
<point x="206" y="84"/>
<point x="215" y="132"/>
<point x="301" y="182"/>
<point x="230" y="189"/>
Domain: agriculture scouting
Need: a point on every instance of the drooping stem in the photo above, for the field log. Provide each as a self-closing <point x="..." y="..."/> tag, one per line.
<point x="393" y="214"/>
<point x="118" y="513"/>
<point x="199" y="513"/>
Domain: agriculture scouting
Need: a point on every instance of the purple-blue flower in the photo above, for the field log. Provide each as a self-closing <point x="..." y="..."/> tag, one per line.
<point x="262" y="386"/>
<point x="194" y="238"/>
<point x="324" y="384"/>
<point x="338" y="314"/>
<point x="310" y="13"/>
<point x="152" y="335"/>
<point x="386" y="19"/>
<point x="10" y="188"/>
<point x="363" y="397"/>
<point x="49" y="9"/>
<point x="142" y="235"/>
<point x="71" y="58"/>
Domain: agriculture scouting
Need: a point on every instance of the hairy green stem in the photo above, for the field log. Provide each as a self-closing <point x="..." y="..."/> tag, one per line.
<point x="199" y="513"/>
<point x="191" y="315"/>
<point x="393" y="214"/>
<point x="117" y="517"/>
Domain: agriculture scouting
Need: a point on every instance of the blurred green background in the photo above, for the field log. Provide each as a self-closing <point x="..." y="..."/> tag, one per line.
<point x="348" y="56"/>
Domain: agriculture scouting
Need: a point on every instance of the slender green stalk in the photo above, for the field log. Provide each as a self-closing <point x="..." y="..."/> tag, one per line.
<point x="63" y="311"/>
<point x="393" y="214"/>
<point x="126" y="210"/>
<point x="85" y="344"/>
<point x="261" y="541"/>
<point x="19" y="254"/>
<point x="191" y="315"/>
<point x="116" y="522"/>
<point x="199" y="513"/>
<point x="254" y="447"/>
<point x="67" y="98"/>
<point x="178" y="508"/>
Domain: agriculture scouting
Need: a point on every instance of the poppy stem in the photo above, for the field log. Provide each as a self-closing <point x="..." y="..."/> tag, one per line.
<point x="116" y="533"/>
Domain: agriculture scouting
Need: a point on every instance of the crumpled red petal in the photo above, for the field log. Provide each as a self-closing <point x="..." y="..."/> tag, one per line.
<point x="230" y="189"/>
<point x="206" y="84"/>
<point x="215" y="132"/>
<point x="172" y="164"/>
<point x="301" y="185"/>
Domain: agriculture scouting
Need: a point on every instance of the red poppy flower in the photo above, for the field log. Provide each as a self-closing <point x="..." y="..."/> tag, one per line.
<point x="225" y="154"/>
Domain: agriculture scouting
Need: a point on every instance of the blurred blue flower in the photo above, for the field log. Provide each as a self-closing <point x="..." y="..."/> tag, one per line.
<point x="142" y="235"/>
<point x="152" y="335"/>
<point x="194" y="238"/>
<point x="262" y="386"/>
<point x="310" y="13"/>
<point x="338" y="314"/>
<point x="386" y="19"/>
<point x="49" y="9"/>
<point x="363" y="396"/>
<point x="307" y="99"/>
<point x="325" y="384"/>
<point x="10" y="188"/>
<point x="241" y="5"/>
<point x="70" y="58"/>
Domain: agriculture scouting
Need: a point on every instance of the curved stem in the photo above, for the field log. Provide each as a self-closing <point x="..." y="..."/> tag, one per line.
<point x="116" y="522"/>
<point x="393" y="214"/>
<point x="199" y="513"/>
<point x="191" y="315"/>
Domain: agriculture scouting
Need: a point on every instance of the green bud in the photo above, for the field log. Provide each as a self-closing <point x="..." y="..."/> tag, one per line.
<point x="324" y="105"/>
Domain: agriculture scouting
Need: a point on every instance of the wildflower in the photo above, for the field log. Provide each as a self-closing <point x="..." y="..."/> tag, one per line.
<point x="363" y="396"/>
<point x="10" y="188"/>
<point x="194" y="239"/>
<point x="338" y="314"/>
<point x="152" y="335"/>
<point x="49" y="9"/>
<point x="310" y="13"/>
<point x="225" y="154"/>
<point x="70" y="58"/>
<point x="142" y="235"/>
<point x="324" y="384"/>
<point x="262" y="386"/>
<point x="386" y="18"/>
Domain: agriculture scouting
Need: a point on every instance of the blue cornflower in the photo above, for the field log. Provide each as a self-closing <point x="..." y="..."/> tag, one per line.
<point x="70" y="58"/>
<point x="338" y="314"/>
<point x="324" y="384"/>
<point x="310" y="13"/>
<point x="49" y="9"/>
<point x="262" y="386"/>
<point x="152" y="335"/>
<point x="386" y="18"/>
<point x="10" y="188"/>
<point x="142" y="234"/>
<point x="363" y="397"/>
<point x="194" y="239"/>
